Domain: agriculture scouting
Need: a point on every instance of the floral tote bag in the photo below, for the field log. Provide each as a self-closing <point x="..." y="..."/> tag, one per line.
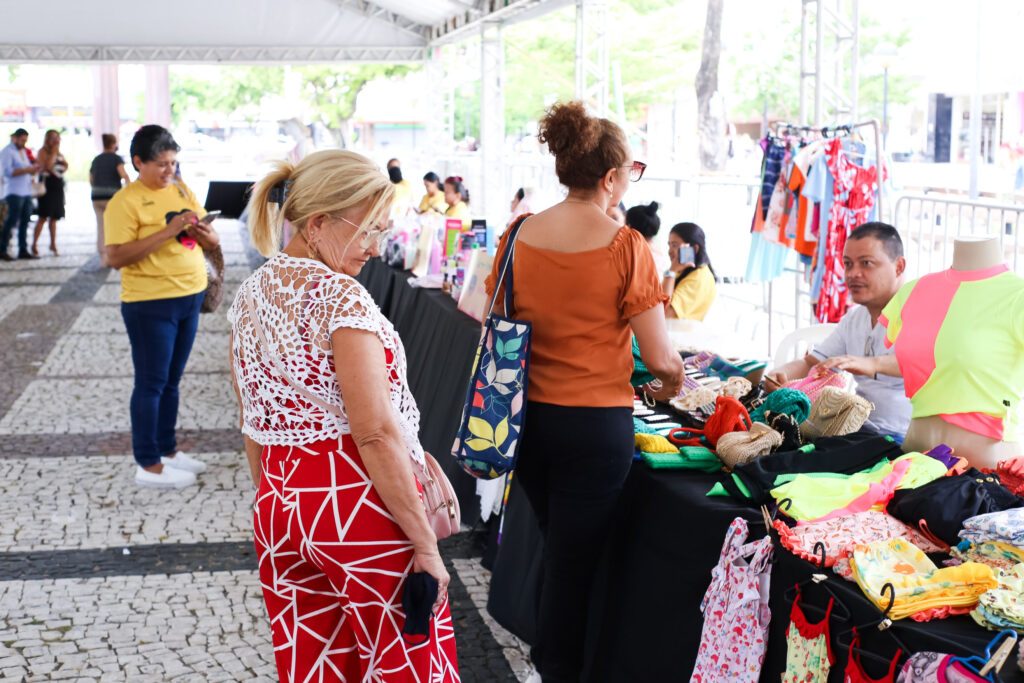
<point x="492" y="417"/>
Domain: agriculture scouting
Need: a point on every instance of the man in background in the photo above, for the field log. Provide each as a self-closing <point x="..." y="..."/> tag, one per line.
<point x="17" y="171"/>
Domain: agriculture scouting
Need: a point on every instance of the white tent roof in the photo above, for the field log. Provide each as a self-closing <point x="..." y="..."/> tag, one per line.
<point x="246" y="31"/>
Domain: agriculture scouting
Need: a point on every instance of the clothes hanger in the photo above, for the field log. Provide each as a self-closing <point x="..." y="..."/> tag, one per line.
<point x="819" y="578"/>
<point x="987" y="667"/>
<point x="882" y="623"/>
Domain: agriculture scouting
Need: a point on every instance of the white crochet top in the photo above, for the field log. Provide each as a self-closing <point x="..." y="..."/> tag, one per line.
<point x="300" y="302"/>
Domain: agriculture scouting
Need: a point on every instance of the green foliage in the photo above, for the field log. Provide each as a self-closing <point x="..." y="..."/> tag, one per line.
<point x="767" y="68"/>
<point x="237" y="88"/>
<point x="656" y="57"/>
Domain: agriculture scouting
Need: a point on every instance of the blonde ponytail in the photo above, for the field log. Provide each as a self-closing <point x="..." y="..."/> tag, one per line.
<point x="266" y="217"/>
<point x="326" y="182"/>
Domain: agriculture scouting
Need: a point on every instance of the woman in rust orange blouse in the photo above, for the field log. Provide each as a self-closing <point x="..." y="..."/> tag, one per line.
<point x="587" y="285"/>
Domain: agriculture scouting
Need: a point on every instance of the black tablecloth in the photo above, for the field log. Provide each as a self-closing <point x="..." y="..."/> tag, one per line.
<point x="645" y="621"/>
<point x="440" y="341"/>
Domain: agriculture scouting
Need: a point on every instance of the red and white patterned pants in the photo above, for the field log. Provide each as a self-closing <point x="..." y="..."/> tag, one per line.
<point x="332" y="563"/>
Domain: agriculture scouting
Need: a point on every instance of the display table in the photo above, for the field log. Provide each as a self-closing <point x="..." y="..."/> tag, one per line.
<point x="440" y="342"/>
<point x="645" y="619"/>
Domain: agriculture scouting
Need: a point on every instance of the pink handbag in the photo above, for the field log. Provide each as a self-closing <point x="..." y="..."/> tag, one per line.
<point x="819" y="378"/>
<point x="438" y="495"/>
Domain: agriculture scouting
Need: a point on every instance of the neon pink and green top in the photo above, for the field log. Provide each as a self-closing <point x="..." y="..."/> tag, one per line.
<point x="959" y="338"/>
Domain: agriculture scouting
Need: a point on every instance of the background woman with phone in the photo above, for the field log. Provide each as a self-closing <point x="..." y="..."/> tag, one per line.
<point x="156" y="238"/>
<point x="691" y="277"/>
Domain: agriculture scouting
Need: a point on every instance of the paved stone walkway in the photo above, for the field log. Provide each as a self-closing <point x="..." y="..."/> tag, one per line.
<point x="101" y="579"/>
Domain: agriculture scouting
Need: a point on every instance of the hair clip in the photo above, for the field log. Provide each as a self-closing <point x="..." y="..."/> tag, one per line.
<point x="279" y="193"/>
<point x="453" y="179"/>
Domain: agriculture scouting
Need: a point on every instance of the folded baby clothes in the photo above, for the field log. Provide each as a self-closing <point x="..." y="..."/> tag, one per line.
<point x="1005" y="526"/>
<point x="919" y="585"/>
<point x="861" y="528"/>
<point x="993" y="553"/>
<point x="1003" y="606"/>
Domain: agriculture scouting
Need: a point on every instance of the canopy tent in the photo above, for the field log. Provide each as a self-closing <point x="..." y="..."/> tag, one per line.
<point x="299" y="32"/>
<point x="247" y="31"/>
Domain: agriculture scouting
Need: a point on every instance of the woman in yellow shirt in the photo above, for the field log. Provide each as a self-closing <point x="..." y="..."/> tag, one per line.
<point x="457" y="196"/>
<point x="434" y="198"/>
<point x="403" y="188"/>
<point x="154" y="237"/>
<point x="691" y="279"/>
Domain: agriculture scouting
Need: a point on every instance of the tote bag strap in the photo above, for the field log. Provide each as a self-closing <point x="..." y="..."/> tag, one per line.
<point x="506" y="269"/>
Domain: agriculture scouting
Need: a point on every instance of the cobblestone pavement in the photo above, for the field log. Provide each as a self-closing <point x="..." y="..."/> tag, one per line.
<point x="101" y="579"/>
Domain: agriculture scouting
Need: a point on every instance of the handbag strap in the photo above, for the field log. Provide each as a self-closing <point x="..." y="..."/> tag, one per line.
<point x="421" y="474"/>
<point x="506" y="269"/>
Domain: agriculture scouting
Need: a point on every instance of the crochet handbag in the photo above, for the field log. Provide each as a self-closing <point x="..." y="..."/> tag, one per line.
<point x="492" y="417"/>
<point x="819" y="378"/>
<point x="439" y="499"/>
<point x="736" y="447"/>
<point x="836" y="413"/>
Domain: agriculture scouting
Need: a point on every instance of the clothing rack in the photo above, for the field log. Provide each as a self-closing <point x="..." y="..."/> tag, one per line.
<point x="843" y="129"/>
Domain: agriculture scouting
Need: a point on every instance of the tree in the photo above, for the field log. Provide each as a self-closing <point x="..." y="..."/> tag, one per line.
<point x="540" y="58"/>
<point x="236" y="88"/>
<point x="332" y="91"/>
<point x="711" y="127"/>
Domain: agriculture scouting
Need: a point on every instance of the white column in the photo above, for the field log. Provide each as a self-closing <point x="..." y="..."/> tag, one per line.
<point x="437" y="96"/>
<point x="492" y="126"/>
<point x="158" y="95"/>
<point x="974" y="129"/>
<point x="106" y="115"/>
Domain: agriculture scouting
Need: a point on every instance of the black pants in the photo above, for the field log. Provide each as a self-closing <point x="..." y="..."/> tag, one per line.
<point x="572" y="465"/>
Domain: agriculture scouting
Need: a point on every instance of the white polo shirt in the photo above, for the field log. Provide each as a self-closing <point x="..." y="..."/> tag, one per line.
<point x="854" y="336"/>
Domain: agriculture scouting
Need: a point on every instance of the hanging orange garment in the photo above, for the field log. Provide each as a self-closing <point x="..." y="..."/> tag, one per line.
<point x="804" y="244"/>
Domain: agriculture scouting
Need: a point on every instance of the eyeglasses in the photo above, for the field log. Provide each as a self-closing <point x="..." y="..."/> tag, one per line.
<point x="379" y="236"/>
<point x="636" y="170"/>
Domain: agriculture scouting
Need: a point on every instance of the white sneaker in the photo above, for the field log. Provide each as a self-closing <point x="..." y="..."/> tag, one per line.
<point x="170" y="478"/>
<point x="184" y="461"/>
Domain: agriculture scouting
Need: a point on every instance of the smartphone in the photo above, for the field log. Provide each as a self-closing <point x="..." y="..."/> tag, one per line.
<point x="210" y="216"/>
<point x="687" y="255"/>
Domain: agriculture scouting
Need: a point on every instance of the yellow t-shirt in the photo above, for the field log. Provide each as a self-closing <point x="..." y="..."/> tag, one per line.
<point x="460" y="210"/>
<point x="173" y="270"/>
<point x="434" y="202"/>
<point x="694" y="295"/>
<point x="403" y="192"/>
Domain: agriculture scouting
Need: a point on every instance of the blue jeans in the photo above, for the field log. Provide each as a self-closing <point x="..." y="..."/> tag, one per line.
<point x="19" y="212"/>
<point x="161" y="333"/>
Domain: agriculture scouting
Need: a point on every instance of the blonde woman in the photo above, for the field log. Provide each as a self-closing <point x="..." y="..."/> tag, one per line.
<point x="338" y="520"/>
<point x="51" y="204"/>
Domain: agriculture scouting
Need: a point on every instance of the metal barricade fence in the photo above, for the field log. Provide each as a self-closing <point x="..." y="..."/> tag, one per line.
<point x="929" y="224"/>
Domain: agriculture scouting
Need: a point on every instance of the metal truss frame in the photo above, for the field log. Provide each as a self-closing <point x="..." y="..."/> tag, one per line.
<point x="836" y="37"/>
<point x="592" y="54"/>
<point x="23" y="54"/>
<point x="375" y="11"/>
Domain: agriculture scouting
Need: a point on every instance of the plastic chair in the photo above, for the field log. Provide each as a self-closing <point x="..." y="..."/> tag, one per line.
<point x="799" y="342"/>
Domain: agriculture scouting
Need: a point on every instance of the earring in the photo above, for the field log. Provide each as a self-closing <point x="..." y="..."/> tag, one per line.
<point x="311" y="247"/>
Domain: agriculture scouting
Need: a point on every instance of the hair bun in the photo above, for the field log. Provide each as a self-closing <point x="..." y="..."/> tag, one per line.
<point x="569" y="131"/>
<point x="652" y="208"/>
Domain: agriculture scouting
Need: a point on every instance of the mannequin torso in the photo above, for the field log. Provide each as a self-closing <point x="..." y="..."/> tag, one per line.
<point x="969" y="254"/>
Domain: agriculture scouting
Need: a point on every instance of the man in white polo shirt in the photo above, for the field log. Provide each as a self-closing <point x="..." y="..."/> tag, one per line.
<point x="17" y="172"/>
<point x="874" y="265"/>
